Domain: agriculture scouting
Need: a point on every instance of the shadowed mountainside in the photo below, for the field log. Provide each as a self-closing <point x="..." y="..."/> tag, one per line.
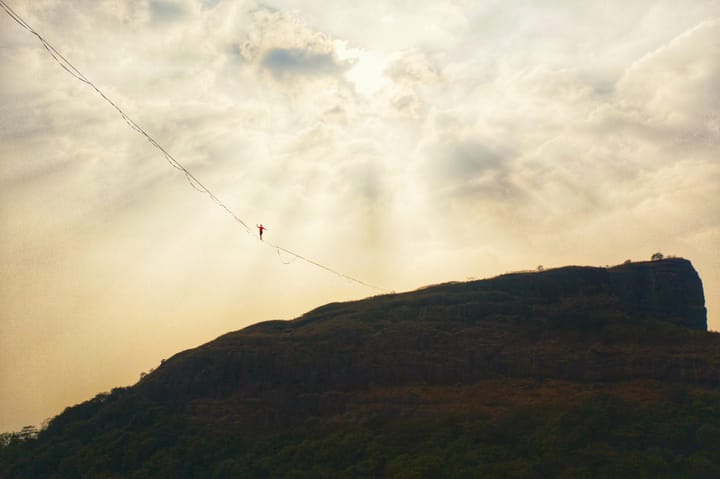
<point x="489" y="363"/>
<point x="458" y="332"/>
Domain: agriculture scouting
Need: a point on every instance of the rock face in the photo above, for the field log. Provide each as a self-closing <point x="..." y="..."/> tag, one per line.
<point x="668" y="290"/>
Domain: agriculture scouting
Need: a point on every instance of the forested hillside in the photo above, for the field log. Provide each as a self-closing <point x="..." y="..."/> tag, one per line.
<point x="572" y="372"/>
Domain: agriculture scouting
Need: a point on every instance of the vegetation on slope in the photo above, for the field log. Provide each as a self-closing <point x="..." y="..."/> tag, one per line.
<point x="576" y="372"/>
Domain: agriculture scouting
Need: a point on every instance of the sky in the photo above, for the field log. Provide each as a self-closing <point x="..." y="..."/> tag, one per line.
<point x="399" y="143"/>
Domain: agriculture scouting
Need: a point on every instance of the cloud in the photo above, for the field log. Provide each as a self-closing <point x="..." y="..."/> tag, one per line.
<point x="413" y="67"/>
<point x="676" y="86"/>
<point x="285" y="62"/>
<point x="412" y="72"/>
<point x="163" y="11"/>
<point x="283" y="42"/>
<point x="468" y="166"/>
<point x="538" y="148"/>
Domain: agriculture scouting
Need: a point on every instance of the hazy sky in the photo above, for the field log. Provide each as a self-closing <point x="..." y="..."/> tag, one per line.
<point x="402" y="143"/>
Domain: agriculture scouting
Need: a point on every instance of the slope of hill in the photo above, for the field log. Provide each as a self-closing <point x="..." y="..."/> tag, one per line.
<point x="577" y="372"/>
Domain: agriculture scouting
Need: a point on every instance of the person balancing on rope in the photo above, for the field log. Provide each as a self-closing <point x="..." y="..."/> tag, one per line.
<point x="261" y="228"/>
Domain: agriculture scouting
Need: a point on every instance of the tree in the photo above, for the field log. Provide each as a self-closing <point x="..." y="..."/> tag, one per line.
<point x="28" y="433"/>
<point x="6" y="438"/>
<point x="657" y="256"/>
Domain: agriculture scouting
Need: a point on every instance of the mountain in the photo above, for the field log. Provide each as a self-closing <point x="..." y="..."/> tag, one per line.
<point x="569" y="372"/>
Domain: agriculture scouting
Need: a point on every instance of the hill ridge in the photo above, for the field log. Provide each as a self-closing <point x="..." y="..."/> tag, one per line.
<point x="514" y="354"/>
<point x="693" y="293"/>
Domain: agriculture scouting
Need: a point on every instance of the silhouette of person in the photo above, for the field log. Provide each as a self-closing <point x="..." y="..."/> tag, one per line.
<point x="261" y="228"/>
